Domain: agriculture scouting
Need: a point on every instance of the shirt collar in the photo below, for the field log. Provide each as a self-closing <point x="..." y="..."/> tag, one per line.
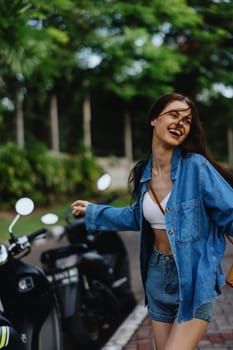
<point x="176" y="158"/>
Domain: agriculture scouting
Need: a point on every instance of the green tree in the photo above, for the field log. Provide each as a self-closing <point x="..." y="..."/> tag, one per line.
<point x="67" y="54"/>
<point x="208" y="74"/>
<point x="125" y="53"/>
<point x="26" y="46"/>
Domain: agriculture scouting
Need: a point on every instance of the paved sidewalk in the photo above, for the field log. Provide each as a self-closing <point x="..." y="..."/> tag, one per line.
<point x="218" y="336"/>
<point x="136" y="334"/>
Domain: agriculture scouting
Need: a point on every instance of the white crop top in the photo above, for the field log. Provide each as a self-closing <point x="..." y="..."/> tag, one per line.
<point x="152" y="213"/>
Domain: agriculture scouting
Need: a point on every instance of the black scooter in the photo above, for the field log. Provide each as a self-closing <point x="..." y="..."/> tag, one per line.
<point x="91" y="278"/>
<point x="28" y="303"/>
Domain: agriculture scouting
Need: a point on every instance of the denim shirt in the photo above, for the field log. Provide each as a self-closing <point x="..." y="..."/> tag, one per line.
<point x="198" y="214"/>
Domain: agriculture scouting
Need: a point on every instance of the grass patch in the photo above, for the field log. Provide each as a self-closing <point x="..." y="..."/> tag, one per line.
<point x="30" y="223"/>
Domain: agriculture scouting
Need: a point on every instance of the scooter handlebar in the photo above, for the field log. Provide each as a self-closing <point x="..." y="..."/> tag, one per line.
<point x="59" y="231"/>
<point x="22" y="244"/>
<point x="78" y="222"/>
<point x="35" y="234"/>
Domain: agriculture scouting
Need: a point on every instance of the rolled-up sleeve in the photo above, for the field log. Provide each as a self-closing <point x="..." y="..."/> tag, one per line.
<point x="107" y="218"/>
<point x="218" y="198"/>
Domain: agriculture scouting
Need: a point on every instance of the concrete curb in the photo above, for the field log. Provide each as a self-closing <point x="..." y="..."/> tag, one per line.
<point x="125" y="331"/>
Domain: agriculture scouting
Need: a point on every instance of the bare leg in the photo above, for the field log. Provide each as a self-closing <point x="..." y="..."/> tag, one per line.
<point x="161" y="332"/>
<point x="176" y="336"/>
<point x="186" y="335"/>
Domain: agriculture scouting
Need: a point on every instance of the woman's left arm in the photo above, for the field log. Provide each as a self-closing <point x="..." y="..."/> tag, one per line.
<point x="217" y="197"/>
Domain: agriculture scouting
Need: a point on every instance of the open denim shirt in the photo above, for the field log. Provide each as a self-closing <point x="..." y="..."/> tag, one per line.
<point x="198" y="214"/>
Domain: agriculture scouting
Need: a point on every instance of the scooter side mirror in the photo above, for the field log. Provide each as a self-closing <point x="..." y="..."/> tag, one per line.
<point x="104" y="182"/>
<point x="24" y="206"/>
<point x="49" y="219"/>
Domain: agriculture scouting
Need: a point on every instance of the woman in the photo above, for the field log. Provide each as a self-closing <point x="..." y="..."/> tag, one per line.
<point x="182" y="248"/>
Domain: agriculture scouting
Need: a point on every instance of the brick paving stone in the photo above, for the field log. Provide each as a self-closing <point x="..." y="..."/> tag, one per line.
<point x="144" y="332"/>
<point x="132" y="346"/>
<point x="144" y="345"/>
<point x="228" y="336"/>
<point x="204" y="344"/>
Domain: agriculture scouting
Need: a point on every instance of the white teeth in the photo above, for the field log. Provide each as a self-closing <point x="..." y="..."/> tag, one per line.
<point x="175" y="132"/>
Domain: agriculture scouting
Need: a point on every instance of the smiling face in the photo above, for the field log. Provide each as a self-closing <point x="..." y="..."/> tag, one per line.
<point x="172" y="125"/>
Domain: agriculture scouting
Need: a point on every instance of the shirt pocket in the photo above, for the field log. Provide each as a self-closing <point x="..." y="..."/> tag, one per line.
<point x="187" y="221"/>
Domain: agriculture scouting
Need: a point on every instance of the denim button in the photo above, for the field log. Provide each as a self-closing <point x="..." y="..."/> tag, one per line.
<point x="167" y="210"/>
<point x="170" y="232"/>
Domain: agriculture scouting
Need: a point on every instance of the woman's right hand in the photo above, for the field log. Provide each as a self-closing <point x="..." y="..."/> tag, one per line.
<point x="79" y="207"/>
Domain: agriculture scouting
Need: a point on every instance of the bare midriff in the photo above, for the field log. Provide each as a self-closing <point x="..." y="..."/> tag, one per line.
<point x="161" y="241"/>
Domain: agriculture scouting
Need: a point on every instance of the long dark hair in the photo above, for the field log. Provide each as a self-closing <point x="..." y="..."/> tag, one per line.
<point x="195" y="141"/>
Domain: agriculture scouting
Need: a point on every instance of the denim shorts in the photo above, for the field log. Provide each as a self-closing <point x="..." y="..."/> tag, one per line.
<point x="162" y="290"/>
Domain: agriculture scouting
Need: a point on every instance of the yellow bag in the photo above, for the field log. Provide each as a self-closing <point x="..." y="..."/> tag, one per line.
<point x="229" y="278"/>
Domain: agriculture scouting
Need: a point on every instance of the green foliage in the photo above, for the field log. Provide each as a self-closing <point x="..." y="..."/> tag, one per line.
<point x="129" y="38"/>
<point x="36" y="173"/>
<point x="16" y="174"/>
<point x="83" y="172"/>
<point x="49" y="174"/>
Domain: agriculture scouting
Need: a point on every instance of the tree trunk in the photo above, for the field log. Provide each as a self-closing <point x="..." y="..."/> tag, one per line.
<point x="87" y="124"/>
<point x="230" y="145"/>
<point x="54" y="124"/>
<point x="128" y="137"/>
<point x="19" y="119"/>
